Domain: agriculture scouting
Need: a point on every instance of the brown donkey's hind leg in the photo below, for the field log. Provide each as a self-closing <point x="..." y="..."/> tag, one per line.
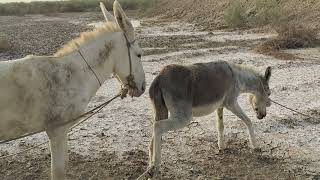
<point x="160" y="113"/>
<point x="180" y="116"/>
<point x="160" y="110"/>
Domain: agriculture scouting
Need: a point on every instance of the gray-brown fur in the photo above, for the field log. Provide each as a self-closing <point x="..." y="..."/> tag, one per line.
<point x="160" y="109"/>
<point x="210" y="82"/>
<point x="201" y="84"/>
<point x="200" y="89"/>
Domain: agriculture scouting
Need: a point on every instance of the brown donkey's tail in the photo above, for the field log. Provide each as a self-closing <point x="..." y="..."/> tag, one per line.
<point x="157" y="100"/>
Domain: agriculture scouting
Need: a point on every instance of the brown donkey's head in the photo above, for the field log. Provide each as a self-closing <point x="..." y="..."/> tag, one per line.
<point x="260" y="101"/>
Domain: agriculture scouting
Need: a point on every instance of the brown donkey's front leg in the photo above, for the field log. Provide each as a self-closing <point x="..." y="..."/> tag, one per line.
<point x="236" y="109"/>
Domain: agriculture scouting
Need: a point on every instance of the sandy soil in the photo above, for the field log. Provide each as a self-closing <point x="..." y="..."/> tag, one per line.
<point x="113" y="144"/>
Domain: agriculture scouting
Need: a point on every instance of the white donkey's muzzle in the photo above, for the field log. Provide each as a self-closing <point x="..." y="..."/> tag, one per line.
<point x="137" y="92"/>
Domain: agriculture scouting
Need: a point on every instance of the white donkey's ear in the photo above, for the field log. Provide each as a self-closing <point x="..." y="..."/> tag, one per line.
<point x="107" y="15"/>
<point x="123" y="21"/>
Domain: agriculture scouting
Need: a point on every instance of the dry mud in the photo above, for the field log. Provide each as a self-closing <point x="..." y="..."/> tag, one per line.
<point x="114" y="144"/>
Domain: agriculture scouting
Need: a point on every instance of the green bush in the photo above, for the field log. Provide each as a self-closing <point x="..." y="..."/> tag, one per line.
<point x="235" y="15"/>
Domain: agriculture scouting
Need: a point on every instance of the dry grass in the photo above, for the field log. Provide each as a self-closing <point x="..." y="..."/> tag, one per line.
<point x="259" y="13"/>
<point x="290" y="36"/>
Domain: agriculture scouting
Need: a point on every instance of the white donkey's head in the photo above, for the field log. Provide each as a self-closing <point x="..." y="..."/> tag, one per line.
<point x="127" y="65"/>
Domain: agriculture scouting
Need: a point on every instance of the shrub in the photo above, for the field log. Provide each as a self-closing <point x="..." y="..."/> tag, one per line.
<point x="268" y="12"/>
<point x="290" y="36"/>
<point x="235" y="15"/>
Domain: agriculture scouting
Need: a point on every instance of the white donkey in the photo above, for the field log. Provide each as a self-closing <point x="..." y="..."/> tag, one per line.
<point x="39" y="92"/>
<point x="198" y="90"/>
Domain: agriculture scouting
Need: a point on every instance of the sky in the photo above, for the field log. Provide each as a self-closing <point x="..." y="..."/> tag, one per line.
<point x="5" y="1"/>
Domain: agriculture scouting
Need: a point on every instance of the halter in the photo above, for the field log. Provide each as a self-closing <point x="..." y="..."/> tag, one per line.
<point x="130" y="78"/>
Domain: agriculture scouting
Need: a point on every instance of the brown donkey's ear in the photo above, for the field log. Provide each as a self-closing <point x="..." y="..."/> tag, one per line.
<point x="267" y="74"/>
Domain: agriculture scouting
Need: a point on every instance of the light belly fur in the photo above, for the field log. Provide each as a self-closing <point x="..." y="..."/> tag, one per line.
<point x="205" y="110"/>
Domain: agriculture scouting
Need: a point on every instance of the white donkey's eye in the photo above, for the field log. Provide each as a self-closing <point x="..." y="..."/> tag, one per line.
<point x="139" y="55"/>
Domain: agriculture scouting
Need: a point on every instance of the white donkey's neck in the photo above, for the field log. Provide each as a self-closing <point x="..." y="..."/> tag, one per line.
<point x="248" y="79"/>
<point x="100" y="54"/>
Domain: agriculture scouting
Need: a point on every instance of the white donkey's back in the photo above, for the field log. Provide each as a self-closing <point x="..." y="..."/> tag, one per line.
<point x="37" y="92"/>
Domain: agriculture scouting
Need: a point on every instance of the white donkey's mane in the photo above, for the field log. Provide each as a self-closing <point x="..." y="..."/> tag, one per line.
<point x="85" y="37"/>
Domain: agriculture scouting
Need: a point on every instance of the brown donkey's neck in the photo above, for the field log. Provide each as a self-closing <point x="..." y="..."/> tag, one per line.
<point x="248" y="79"/>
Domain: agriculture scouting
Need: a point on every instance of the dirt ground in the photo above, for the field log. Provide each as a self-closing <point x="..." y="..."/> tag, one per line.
<point x="208" y="14"/>
<point x="114" y="144"/>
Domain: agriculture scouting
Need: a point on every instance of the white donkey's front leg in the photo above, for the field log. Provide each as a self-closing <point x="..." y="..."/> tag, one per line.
<point x="59" y="157"/>
<point x="236" y="109"/>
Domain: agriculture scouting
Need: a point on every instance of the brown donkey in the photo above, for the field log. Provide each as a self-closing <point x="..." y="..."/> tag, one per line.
<point x="200" y="89"/>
